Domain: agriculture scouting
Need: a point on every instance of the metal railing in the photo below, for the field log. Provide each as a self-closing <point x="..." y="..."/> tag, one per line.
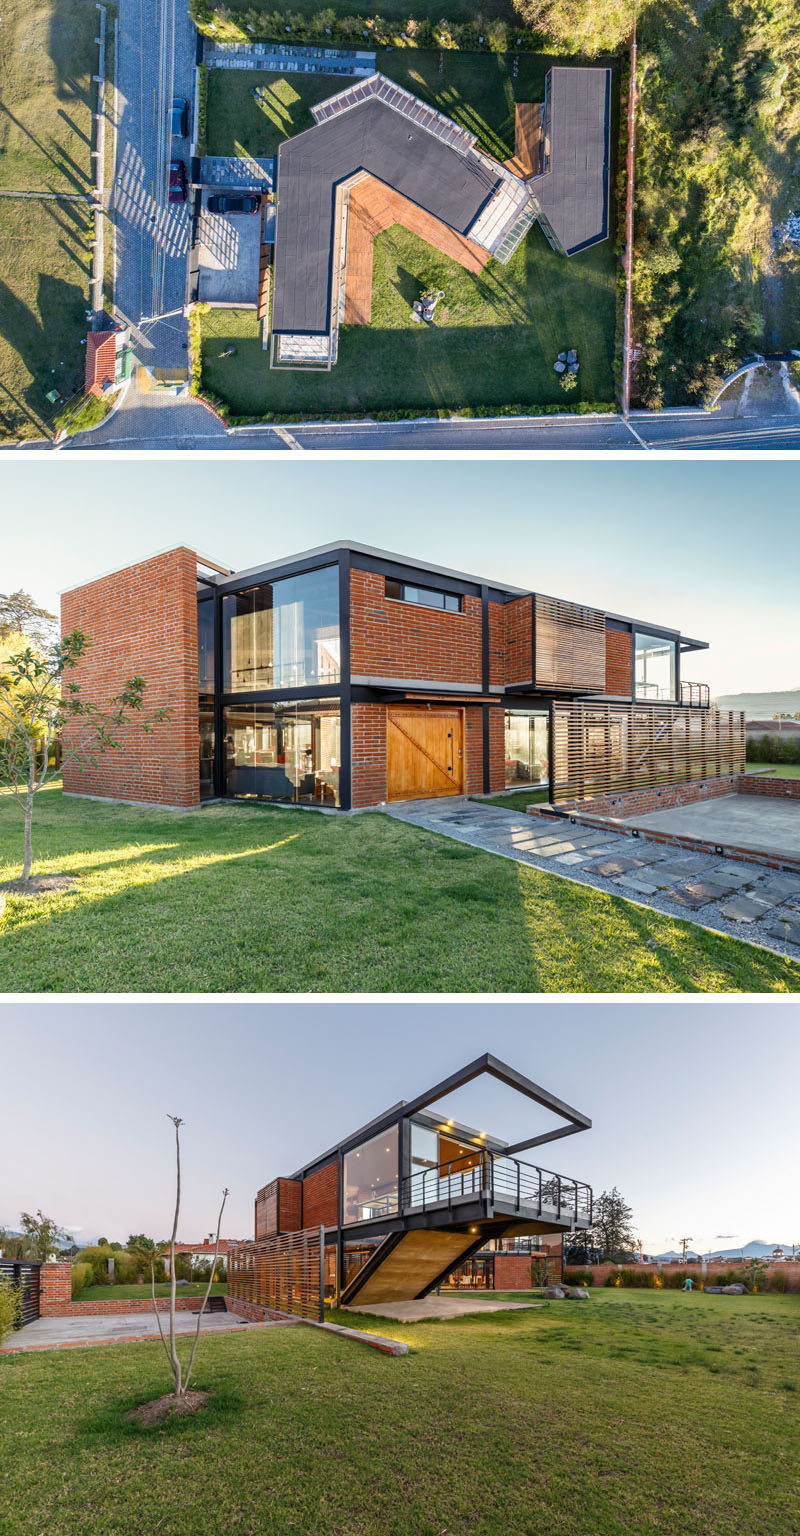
<point x="495" y="1178"/>
<point x="696" y="695"/>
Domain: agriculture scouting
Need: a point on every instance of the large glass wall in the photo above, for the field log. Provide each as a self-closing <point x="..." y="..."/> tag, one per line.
<point x="205" y="691"/>
<point x="655" y="667"/>
<point x="283" y="634"/>
<point x="526" y="746"/>
<point x="287" y="751"/>
<point x="371" y="1178"/>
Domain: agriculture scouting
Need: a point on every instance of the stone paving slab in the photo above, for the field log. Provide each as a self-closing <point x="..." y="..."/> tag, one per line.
<point x="118" y="1328"/>
<point x="442" y="1307"/>
<point x="727" y="895"/>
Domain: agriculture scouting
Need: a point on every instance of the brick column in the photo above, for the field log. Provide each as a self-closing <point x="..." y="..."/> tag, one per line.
<point x="55" y="1287"/>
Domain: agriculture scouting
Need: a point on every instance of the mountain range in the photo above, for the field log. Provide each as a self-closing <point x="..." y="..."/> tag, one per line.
<point x="762" y="706"/>
<point x="753" y="1250"/>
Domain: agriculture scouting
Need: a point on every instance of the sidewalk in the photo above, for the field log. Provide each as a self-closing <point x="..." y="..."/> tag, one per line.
<point x="744" y="901"/>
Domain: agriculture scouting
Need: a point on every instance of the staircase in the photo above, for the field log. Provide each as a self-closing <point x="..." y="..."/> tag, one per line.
<point x="407" y="1265"/>
<point x="216" y="1304"/>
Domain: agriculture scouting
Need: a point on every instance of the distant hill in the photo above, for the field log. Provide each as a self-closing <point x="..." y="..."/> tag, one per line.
<point x="762" y="706"/>
<point x="753" y="1250"/>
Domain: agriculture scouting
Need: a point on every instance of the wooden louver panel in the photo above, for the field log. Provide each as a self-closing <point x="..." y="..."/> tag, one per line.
<point x="569" y="646"/>
<point x="606" y="749"/>
<point x="283" y="1273"/>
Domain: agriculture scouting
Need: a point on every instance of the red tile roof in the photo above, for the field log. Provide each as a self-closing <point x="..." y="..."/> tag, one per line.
<point x="101" y="360"/>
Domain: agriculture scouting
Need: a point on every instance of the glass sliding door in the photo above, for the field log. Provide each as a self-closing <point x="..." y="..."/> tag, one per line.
<point x="283" y="634"/>
<point x="526" y="746"/>
<point x="656" y="672"/>
<point x="287" y="751"/>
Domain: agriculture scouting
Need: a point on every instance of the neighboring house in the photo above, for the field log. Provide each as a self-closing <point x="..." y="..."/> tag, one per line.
<point x="412" y="1198"/>
<point x="107" y="359"/>
<point x="378" y="156"/>
<point x="348" y="677"/>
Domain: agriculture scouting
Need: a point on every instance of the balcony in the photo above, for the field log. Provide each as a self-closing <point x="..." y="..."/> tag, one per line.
<point x="501" y="1186"/>
<point x="695" y="695"/>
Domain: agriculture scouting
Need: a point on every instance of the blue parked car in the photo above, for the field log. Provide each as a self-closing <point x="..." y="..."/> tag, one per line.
<point x="179" y="116"/>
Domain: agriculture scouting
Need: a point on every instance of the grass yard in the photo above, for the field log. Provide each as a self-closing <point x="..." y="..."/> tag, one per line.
<point x="47" y="96"/>
<point x="44" y="290"/>
<point x="136" y="1292"/>
<point x="517" y="800"/>
<point x="780" y="770"/>
<point x="628" y="1415"/>
<point x="497" y="334"/>
<point x="239" y="898"/>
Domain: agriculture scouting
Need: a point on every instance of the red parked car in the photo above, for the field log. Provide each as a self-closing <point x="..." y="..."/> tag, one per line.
<point x="177" y="181"/>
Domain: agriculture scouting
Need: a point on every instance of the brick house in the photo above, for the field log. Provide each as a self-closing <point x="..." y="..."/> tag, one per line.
<point x="347" y="677"/>
<point x="415" y="1199"/>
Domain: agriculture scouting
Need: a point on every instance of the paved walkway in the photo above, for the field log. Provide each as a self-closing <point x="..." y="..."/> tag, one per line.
<point x="121" y="1328"/>
<point x="442" y="1307"/>
<point x="744" y="900"/>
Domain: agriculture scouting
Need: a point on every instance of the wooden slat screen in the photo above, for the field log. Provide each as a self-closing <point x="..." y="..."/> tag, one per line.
<point x="569" y="645"/>
<point x="283" y="1272"/>
<point x="602" y="749"/>
<point x="19" y="1272"/>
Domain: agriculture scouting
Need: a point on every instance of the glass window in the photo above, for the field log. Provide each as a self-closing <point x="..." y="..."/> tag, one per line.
<point x="526" y="747"/>
<point x="655" y="667"/>
<point x="426" y="597"/>
<point x="284" y="751"/>
<point x="205" y="648"/>
<point x="370" y="1179"/>
<point x="283" y="634"/>
<point x="206" y="754"/>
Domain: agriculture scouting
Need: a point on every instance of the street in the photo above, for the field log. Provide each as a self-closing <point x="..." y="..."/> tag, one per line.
<point x="155" y="61"/>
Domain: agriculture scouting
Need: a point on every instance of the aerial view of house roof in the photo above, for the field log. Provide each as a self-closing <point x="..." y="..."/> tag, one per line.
<point x="376" y="128"/>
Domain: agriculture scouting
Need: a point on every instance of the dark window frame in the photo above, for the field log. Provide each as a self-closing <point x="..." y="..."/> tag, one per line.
<point x="448" y="599"/>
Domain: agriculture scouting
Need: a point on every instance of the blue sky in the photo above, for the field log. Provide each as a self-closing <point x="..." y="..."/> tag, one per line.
<point x="712" y="548"/>
<point x="694" y="1104"/>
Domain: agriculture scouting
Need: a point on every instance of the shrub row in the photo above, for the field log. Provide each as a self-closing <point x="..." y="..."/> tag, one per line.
<point x="753" y="1275"/>
<point x="774" y="748"/>
<point x="490" y="35"/>
<point x="202" y="107"/>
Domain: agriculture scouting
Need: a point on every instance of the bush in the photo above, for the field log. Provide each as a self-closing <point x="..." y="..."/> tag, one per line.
<point x="637" y="1279"/>
<point x="578" y="1277"/>
<point x="82" y="1278"/>
<point x="773" y="747"/>
<point x="779" y="1281"/>
<point x="10" y="1306"/>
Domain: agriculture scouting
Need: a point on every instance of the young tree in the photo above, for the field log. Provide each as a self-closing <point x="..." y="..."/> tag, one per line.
<point x="144" y="1252"/>
<point x="612" y="1225"/>
<point x="38" y="699"/>
<point x="20" y="615"/>
<point x="42" y="1235"/>
<point x="10" y="1306"/>
<point x="579" y="26"/>
<point x="180" y="1377"/>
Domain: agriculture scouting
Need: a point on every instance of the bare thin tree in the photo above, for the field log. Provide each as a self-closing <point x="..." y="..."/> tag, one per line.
<point x="181" y="1378"/>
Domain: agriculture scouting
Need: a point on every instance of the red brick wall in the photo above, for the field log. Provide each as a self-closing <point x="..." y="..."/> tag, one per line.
<point x="473" y="750"/>
<point x="368" y="736"/>
<point x="619" y="663"/>
<point x="256" y="1314"/>
<point x="519" y="640"/>
<point x="512" y="1271"/>
<point x="601" y="1272"/>
<point x="108" y="1305"/>
<point x="278" y="1208"/>
<point x="497" y="643"/>
<point x="321" y="1197"/>
<point x="754" y="784"/>
<point x="396" y="639"/>
<point x="55" y="1287"/>
<point x="142" y="621"/>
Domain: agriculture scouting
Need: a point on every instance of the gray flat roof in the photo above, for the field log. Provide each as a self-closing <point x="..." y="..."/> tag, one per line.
<point x="574" y="193"/>
<point x="372" y="137"/>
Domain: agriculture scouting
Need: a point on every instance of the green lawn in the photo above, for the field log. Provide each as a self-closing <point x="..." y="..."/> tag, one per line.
<point x="44" y="290"/>
<point x="628" y="1415"/>
<point x="780" y="770"/>
<point x="497" y="334"/>
<point x="47" y="96"/>
<point x="518" y="799"/>
<point x="239" y="898"/>
<point x="133" y="1292"/>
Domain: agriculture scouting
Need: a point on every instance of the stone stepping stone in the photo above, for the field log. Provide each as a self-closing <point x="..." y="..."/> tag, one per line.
<point x="617" y="865"/>
<point x="637" y="882"/>
<point x="732" y="874"/>
<point x="785" y="887"/>
<point x="743" y="909"/>
<point x="699" y="893"/>
<point x="780" y="927"/>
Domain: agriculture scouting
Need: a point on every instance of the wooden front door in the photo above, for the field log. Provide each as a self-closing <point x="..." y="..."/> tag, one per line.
<point x="424" y="753"/>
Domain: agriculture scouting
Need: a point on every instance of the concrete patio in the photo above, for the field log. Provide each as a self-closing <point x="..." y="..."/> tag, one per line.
<point x="739" y="821"/>
<point x="120" y="1328"/>
<point x="442" y="1307"/>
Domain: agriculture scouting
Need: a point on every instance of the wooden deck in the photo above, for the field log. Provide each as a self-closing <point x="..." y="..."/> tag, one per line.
<point x="525" y="160"/>
<point x="374" y="207"/>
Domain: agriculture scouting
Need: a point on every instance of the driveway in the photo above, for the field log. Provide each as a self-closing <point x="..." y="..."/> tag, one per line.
<point x="121" y="1328"/>
<point x="229" y="257"/>
<point x="745" y="901"/>
<point x="155" y="62"/>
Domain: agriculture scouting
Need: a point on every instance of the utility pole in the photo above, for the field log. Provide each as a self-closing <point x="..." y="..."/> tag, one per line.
<point x="684" y="1242"/>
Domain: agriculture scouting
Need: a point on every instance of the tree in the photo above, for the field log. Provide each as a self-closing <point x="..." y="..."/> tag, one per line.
<point x="20" y="615"/>
<point x="144" y="1251"/>
<point x="38" y="698"/>
<point x="180" y="1377"/>
<point x="42" y="1235"/>
<point x="579" y="26"/>
<point x="612" y="1226"/>
<point x="10" y="1307"/>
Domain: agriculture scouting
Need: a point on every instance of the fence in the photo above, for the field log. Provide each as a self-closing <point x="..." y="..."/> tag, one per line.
<point x="284" y="1273"/>
<point x="20" y="1272"/>
<point x="601" y="749"/>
